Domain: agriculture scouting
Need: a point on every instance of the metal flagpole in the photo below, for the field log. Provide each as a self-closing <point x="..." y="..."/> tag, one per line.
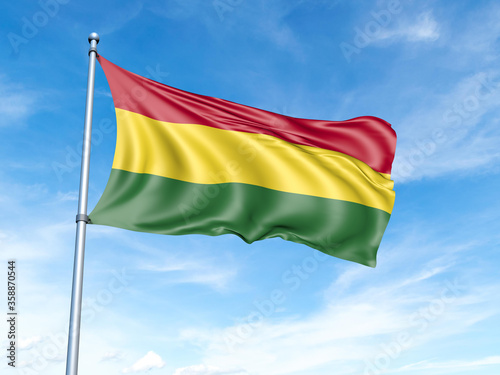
<point x="81" y="220"/>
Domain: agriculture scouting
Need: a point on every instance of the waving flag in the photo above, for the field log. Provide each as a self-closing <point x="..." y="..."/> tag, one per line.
<point x="193" y="164"/>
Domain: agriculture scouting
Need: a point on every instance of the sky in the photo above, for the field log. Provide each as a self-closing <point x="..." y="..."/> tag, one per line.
<point x="199" y="305"/>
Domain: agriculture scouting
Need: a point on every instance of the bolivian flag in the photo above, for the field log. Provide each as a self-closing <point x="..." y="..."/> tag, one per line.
<point x="187" y="163"/>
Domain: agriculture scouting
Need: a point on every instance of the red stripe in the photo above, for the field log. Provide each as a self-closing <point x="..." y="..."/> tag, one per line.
<point x="366" y="138"/>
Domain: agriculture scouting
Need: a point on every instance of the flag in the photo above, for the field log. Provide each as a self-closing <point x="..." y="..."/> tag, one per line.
<point x="193" y="164"/>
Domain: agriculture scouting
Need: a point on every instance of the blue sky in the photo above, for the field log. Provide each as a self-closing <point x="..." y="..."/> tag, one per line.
<point x="198" y="305"/>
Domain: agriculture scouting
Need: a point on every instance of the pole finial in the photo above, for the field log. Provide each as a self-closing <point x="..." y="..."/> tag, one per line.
<point x="94" y="36"/>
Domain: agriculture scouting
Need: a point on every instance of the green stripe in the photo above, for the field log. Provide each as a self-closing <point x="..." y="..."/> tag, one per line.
<point x="154" y="204"/>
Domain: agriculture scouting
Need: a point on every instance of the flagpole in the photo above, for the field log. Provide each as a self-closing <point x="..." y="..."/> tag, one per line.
<point x="81" y="220"/>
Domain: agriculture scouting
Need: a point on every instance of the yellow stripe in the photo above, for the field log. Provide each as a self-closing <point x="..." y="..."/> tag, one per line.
<point x="205" y="155"/>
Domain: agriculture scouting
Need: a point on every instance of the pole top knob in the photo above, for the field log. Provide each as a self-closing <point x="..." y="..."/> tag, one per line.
<point x="94" y="36"/>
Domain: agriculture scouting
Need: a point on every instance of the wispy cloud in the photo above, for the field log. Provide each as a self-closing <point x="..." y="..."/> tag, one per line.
<point x="195" y="266"/>
<point x="112" y="356"/>
<point x="25" y="241"/>
<point x="187" y="270"/>
<point x="16" y="103"/>
<point x="68" y="196"/>
<point x="29" y="342"/>
<point x="102" y="92"/>
<point x="425" y="305"/>
<point x="195" y="302"/>
<point x="450" y="366"/>
<point x="207" y="370"/>
<point x="262" y="20"/>
<point x="149" y="362"/>
<point x="477" y="36"/>
<point x="121" y="17"/>
<point x="463" y="118"/>
<point x="423" y="28"/>
<point x="274" y="28"/>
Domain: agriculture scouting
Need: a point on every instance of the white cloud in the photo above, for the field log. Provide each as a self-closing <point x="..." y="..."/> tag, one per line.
<point x="16" y="103"/>
<point x="451" y="366"/>
<point x="195" y="273"/>
<point x="121" y="17"/>
<point x="465" y="118"/>
<point x="191" y="267"/>
<point x="261" y="19"/>
<point x="112" y="355"/>
<point x="25" y="242"/>
<point x="68" y="196"/>
<point x="29" y="342"/>
<point x="273" y="26"/>
<point x="424" y="29"/>
<point x="207" y="370"/>
<point x="361" y="313"/>
<point x="102" y="92"/>
<point x="150" y="361"/>
<point x="476" y="37"/>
